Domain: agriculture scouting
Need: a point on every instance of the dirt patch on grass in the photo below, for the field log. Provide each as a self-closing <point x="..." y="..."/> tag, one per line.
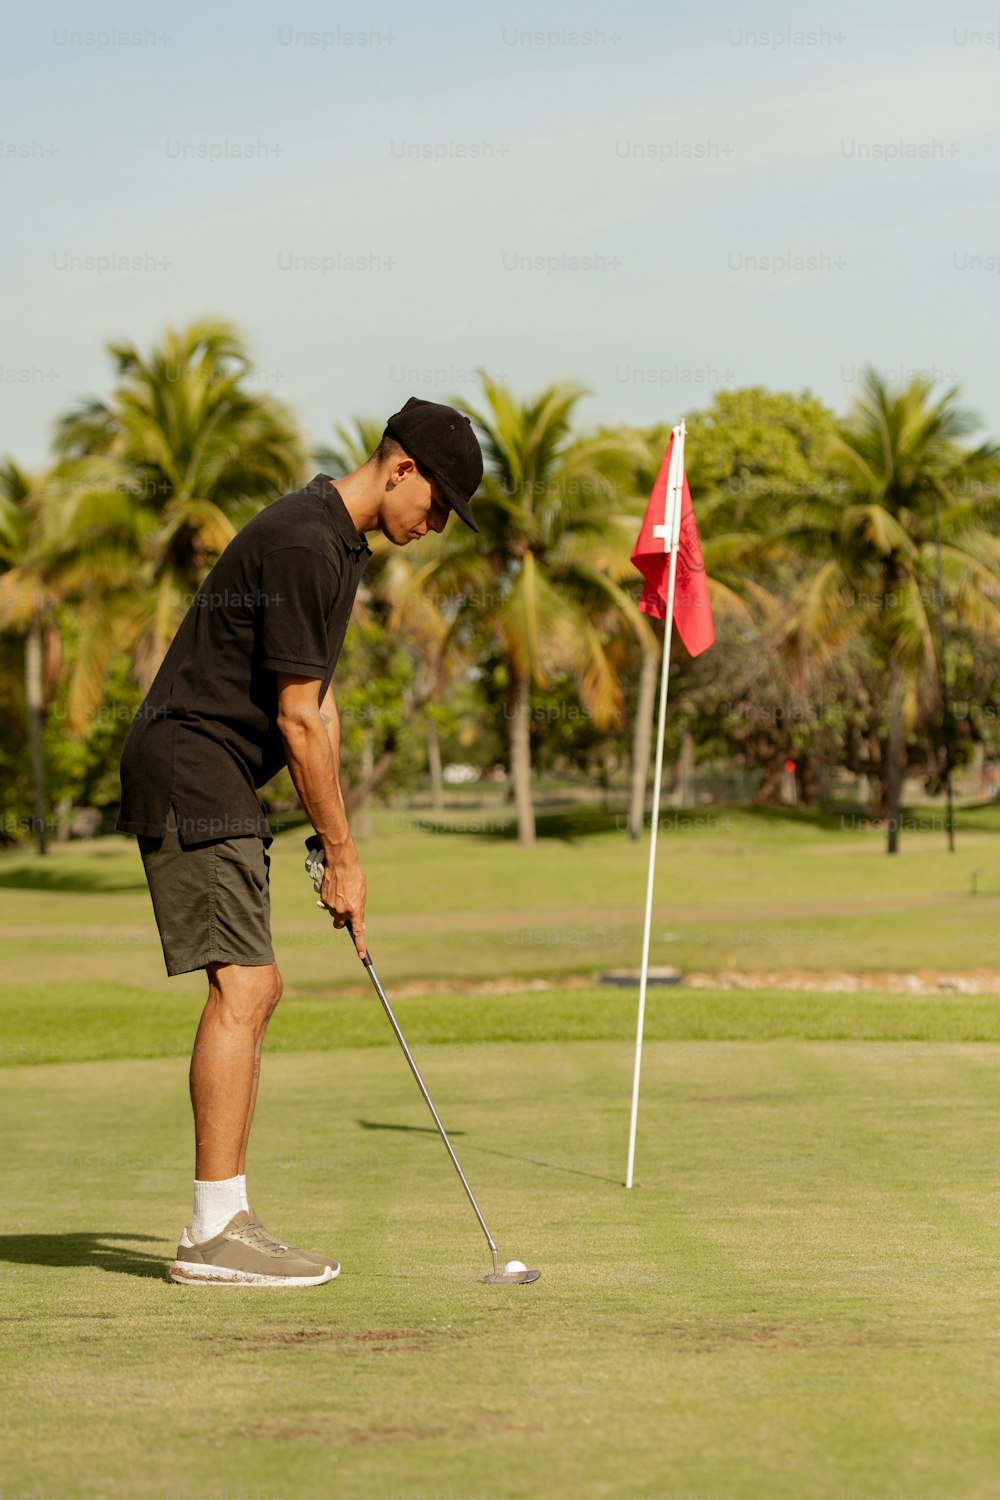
<point x="284" y="1434"/>
<point x="379" y="1340"/>
<point x="744" y="1098"/>
<point x="473" y="1427"/>
<point x="394" y="1340"/>
<point x="50" y="1318"/>
<point x="827" y="981"/>
<point x="852" y="982"/>
<point x="379" y="1435"/>
<point x="711" y="1338"/>
<point x="290" y="1336"/>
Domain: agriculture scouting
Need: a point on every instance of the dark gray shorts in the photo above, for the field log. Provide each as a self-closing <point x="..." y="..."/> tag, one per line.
<point x="212" y="902"/>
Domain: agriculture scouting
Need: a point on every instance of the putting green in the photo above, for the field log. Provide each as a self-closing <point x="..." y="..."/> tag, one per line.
<point x="799" y="1298"/>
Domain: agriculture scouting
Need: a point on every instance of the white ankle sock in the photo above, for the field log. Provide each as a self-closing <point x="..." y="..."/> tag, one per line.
<point x="243" y="1193"/>
<point x="215" y="1203"/>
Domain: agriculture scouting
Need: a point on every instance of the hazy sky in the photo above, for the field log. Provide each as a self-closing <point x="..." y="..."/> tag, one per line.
<point x="654" y="201"/>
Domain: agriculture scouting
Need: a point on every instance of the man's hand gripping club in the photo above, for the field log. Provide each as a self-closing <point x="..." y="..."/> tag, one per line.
<point x="335" y="892"/>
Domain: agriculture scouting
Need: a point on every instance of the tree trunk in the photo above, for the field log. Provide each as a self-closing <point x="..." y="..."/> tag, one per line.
<point x="642" y="743"/>
<point x="770" y="786"/>
<point x="685" y="772"/>
<point x="363" y="815"/>
<point x="33" y="698"/>
<point x="896" y="753"/>
<point x="877" y="776"/>
<point x="434" y="767"/>
<point x="354" y="796"/>
<point x="520" y="758"/>
<point x="62" y="819"/>
<point x="812" y="780"/>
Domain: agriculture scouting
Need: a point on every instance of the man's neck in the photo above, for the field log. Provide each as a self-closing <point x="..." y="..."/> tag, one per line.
<point x="360" y="496"/>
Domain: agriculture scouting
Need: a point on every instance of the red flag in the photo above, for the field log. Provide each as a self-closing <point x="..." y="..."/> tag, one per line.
<point x="692" y="610"/>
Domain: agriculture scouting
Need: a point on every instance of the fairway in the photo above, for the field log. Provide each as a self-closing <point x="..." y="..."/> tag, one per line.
<point x="799" y="1297"/>
<point x="750" y="889"/>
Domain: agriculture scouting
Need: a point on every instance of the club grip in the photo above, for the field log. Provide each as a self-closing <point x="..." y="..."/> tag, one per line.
<point x="315" y="864"/>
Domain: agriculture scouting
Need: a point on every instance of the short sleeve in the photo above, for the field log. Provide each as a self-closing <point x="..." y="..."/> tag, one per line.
<point x="296" y="594"/>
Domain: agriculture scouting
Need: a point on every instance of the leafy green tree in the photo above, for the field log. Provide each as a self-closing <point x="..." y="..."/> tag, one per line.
<point x="27" y="608"/>
<point x="354" y="444"/>
<point x="752" y="448"/>
<point x="870" y="553"/>
<point x="195" y="454"/>
<point x="59" y="610"/>
<point x="544" y="578"/>
<point x="747" y="456"/>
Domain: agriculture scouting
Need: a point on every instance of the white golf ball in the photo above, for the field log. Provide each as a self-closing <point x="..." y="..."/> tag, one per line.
<point x="515" y="1265"/>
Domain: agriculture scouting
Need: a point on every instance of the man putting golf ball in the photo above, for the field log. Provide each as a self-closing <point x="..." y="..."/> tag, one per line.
<point x="245" y="688"/>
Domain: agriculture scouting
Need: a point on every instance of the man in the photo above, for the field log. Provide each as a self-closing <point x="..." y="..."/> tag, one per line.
<point x="246" y="688"/>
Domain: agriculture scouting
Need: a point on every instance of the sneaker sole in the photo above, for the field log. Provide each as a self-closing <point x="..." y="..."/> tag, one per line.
<point x="187" y="1273"/>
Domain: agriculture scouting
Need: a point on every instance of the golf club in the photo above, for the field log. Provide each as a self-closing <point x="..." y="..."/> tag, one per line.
<point x="315" y="864"/>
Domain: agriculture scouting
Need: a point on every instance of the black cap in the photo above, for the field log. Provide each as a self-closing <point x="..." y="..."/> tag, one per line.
<point x="443" y="443"/>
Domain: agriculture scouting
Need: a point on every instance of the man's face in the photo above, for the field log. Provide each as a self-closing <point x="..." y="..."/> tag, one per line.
<point x="412" y="505"/>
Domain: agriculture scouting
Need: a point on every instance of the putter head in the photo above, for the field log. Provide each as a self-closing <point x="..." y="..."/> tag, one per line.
<point x="511" y="1278"/>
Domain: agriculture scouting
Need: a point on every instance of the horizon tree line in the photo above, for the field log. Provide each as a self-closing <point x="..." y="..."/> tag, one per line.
<point x="858" y="557"/>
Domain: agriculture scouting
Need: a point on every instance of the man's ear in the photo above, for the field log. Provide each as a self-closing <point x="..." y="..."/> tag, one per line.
<point x="401" y="468"/>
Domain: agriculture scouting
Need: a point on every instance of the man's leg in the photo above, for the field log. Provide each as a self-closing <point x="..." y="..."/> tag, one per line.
<point x="253" y="1088"/>
<point x="225" y="1064"/>
<point x="226" y="1244"/>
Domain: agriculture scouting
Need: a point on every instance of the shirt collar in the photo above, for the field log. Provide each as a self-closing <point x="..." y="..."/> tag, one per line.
<point x="354" y="540"/>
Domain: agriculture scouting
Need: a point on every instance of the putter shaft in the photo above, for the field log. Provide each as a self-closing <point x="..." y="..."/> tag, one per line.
<point x="367" y="961"/>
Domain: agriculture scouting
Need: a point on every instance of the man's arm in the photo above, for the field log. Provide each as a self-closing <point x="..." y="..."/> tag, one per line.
<point x="331" y="722"/>
<point x="311" y="733"/>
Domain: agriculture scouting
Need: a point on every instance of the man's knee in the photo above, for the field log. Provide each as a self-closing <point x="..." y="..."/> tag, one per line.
<point x="244" y="994"/>
<point x="277" y="990"/>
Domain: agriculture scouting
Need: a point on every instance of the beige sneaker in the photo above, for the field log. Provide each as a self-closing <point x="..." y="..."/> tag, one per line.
<point x="320" y="1260"/>
<point x="244" y="1254"/>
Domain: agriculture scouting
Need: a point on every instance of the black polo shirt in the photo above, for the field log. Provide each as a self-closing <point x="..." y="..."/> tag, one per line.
<point x="206" y="736"/>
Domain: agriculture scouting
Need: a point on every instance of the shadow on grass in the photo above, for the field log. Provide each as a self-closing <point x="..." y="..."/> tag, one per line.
<point x="548" y="1166"/>
<point x="84" y="1249"/>
<point x="531" y="1161"/>
<point x="851" y="818"/>
<point x="89" y="882"/>
<point x="567" y="824"/>
<point x="824" y="819"/>
<point x="408" y="1129"/>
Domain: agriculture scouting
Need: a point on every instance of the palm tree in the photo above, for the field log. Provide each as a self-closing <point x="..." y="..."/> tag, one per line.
<point x="27" y="606"/>
<point x="353" y="446"/>
<point x="872" y="556"/>
<point x="544" y="576"/>
<point x="196" y="455"/>
<point x="89" y="528"/>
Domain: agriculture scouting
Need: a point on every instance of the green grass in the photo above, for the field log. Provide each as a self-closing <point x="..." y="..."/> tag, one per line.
<point x="90" y="1022"/>
<point x="798" y="1299"/>
<point x="735" y="888"/>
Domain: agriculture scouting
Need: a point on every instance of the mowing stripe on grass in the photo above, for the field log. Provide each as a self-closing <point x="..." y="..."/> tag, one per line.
<point x="43" y="1024"/>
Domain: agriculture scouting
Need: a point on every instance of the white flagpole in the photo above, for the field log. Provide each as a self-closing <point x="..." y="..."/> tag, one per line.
<point x="670" y="531"/>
